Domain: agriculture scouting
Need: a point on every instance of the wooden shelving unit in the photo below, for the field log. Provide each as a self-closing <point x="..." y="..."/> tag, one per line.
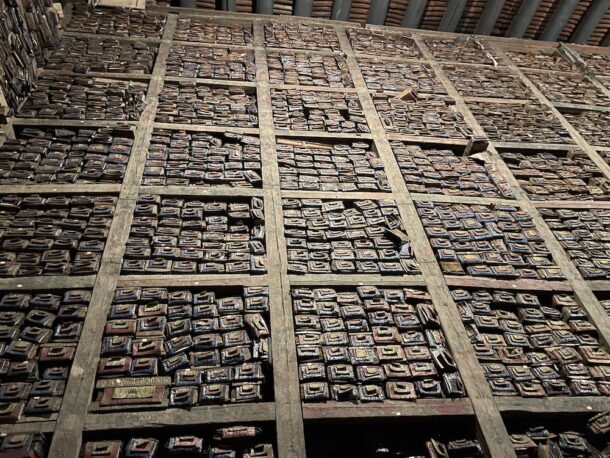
<point x="286" y="411"/>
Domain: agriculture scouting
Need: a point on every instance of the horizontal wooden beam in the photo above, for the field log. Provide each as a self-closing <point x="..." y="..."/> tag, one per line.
<point x="553" y="405"/>
<point x="230" y="413"/>
<point x="387" y="409"/>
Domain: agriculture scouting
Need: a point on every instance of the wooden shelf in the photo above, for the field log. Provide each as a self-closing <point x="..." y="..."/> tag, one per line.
<point x="229" y="413"/>
<point x="551" y="405"/>
<point x="387" y="409"/>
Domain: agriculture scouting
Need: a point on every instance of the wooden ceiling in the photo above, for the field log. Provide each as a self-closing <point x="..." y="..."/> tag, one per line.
<point x="579" y="21"/>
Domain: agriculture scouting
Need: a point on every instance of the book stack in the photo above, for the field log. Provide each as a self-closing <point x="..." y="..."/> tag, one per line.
<point x="26" y="32"/>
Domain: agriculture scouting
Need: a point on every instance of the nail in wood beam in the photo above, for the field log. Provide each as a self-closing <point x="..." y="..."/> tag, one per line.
<point x="523" y="18"/>
<point x="590" y="20"/>
<point x="264" y="6"/>
<point x="378" y="12"/>
<point x="489" y="16"/>
<point x="303" y="8"/>
<point x="414" y="13"/>
<point x="559" y="19"/>
<point x="452" y="16"/>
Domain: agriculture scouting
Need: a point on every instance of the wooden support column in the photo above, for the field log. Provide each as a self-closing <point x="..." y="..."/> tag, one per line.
<point x="288" y="413"/>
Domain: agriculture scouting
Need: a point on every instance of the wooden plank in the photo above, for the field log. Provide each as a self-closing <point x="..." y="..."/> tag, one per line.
<point x="455" y="9"/>
<point x="264" y="6"/>
<point x="311" y="52"/>
<point x="29" y="427"/>
<point x="495" y="437"/>
<point x="558" y="20"/>
<point x="357" y="280"/>
<point x="196" y="44"/>
<point x="575" y="107"/>
<point x="531" y="146"/>
<point x="230" y="413"/>
<point x="460" y="199"/>
<point x="110" y="75"/>
<point x="489" y="16"/>
<point x="414" y="13"/>
<point x="212" y="82"/>
<point x="427" y="140"/>
<point x="303" y="8"/>
<point x="589" y="21"/>
<point x="424" y="408"/>
<point x="322" y="135"/>
<point x="341" y="10"/>
<point x="599" y="285"/>
<point x="553" y="405"/>
<point x="205" y="128"/>
<point x="389" y="58"/>
<point x="378" y="12"/>
<point x="465" y="281"/>
<point x="55" y="188"/>
<point x="198" y="280"/>
<point x="523" y="18"/>
<point x="69" y="33"/>
<point x="35" y="122"/>
<point x="213" y="191"/>
<point x="576" y="204"/>
<point x="46" y="282"/>
<point x="295" y="87"/>
<point x="336" y="195"/>
<point x="496" y="100"/>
